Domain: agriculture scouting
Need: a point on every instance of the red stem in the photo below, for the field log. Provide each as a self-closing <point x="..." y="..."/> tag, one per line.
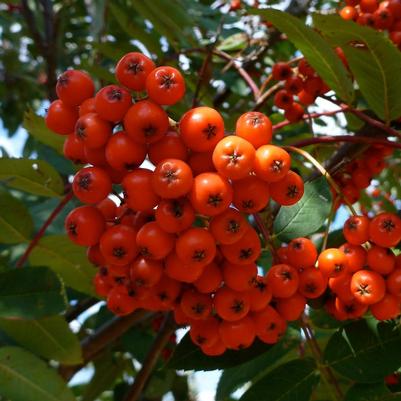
<point x="346" y="138"/>
<point x="371" y="121"/>
<point x="265" y="233"/>
<point x="311" y="115"/>
<point x="43" y="229"/>
<point x="244" y="74"/>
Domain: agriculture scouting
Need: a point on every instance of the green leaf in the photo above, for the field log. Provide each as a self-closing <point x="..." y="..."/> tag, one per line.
<point x="188" y="356"/>
<point x="24" y="377"/>
<point x="233" y="378"/>
<point x="315" y="49"/>
<point x="159" y="384"/>
<point x="66" y="259"/>
<point x="50" y="338"/>
<point x="133" y="29"/>
<point x="34" y="176"/>
<point x="169" y="19"/>
<point x="294" y="380"/>
<point x="370" y="392"/>
<point x="306" y="216"/>
<point x="373" y="59"/>
<point x="321" y="319"/>
<point x="365" y="351"/>
<point x="16" y="224"/>
<point x="30" y="293"/>
<point x="36" y="127"/>
<point x="234" y="42"/>
<point x="98" y="71"/>
<point x="138" y="343"/>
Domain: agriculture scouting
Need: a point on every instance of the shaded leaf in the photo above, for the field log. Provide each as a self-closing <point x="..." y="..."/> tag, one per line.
<point x="373" y="59"/>
<point x="34" y="176"/>
<point x="188" y="356"/>
<point x="30" y="293"/>
<point x="294" y="380"/>
<point x="36" y="127"/>
<point x="16" y="224"/>
<point x="315" y="49"/>
<point x="133" y="29"/>
<point x="370" y="392"/>
<point x="233" y="378"/>
<point x="365" y="351"/>
<point x="50" y="338"/>
<point x="321" y="319"/>
<point x="24" y="377"/>
<point x="169" y="19"/>
<point x="306" y="216"/>
<point x="66" y="259"/>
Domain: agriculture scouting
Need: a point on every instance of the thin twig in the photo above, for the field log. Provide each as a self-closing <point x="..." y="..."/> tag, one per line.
<point x="327" y="231"/>
<point x="306" y="116"/>
<point x="265" y="83"/>
<point x="265" y="233"/>
<point x="152" y="357"/>
<point x="43" y="229"/>
<point x="241" y="71"/>
<point x="346" y="138"/>
<point x="363" y="116"/>
<point x="263" y="98"/>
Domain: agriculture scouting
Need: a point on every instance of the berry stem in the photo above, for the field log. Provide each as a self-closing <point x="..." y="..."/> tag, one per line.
<point x="21" y="261"/>
<point x="265" y="83"/>
<point x="260" y="101"/>
<point x="369" y="120"/>
<point x="232" y="61"/>
<point x="327" y="231"/>
<point x="241" y="71"/>
<point x="265" y="233"/>
<point x="151" y="359"/>
<point x="307" y="116"/>
<point x="346" y="138"/>
<point x="324" y="172"/>
<point x="270" y="77"/>
<point x="327" y="373"/>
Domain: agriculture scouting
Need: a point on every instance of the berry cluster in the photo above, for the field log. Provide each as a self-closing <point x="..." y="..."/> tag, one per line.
<point x="369" y="276"/>
<point x="358" y="277"/>
<point x="358" y="174"/>
<point x="301" y="82"/>
<point x="381" y="15"/>
<point x="180" y="238"/>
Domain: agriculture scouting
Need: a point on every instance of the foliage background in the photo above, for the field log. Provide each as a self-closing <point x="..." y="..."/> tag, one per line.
<point x="40" y="39"/>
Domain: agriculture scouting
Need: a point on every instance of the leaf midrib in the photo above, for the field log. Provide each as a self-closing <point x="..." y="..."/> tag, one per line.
<point x="17" y="233"/>
<point x="364" y="350"/>
<point x="43" y="189"/>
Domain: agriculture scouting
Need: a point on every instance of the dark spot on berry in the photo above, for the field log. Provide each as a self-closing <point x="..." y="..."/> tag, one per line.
<point x="210" y="131"/>
<point x="84" y="181"/>
<point x="119" y="252"/>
